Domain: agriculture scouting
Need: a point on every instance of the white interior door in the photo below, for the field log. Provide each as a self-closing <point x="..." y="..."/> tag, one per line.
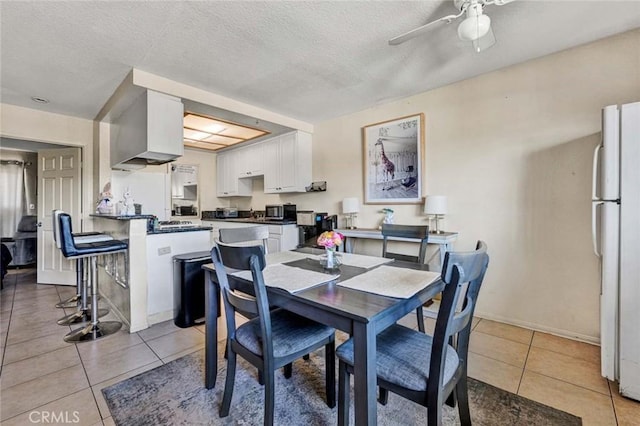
<point x="59" y="187"/>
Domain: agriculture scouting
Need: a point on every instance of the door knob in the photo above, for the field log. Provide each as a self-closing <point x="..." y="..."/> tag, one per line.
<point x="39" y="224"/>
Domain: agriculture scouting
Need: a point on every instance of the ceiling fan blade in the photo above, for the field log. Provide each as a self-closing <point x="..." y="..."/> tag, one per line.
<point x="418" y="31"/>
<point x="484" y="42"/>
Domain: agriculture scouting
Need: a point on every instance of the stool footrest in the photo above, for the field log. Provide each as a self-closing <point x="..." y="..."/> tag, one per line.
<point x="81" y="316"/>
<point x="93" y="332"/>
<point x="72" y="302"/>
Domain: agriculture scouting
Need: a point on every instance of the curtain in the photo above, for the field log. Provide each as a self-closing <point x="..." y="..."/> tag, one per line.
<point x="12" y="206"/>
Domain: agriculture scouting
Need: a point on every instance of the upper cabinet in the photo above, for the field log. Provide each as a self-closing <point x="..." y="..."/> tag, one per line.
<point x="287" y="163"/>
<point x="251" y="160"/>
<point x="227" y="182"/>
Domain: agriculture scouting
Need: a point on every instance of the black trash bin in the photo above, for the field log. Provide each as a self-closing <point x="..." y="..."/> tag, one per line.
<point x="188" y="289"/>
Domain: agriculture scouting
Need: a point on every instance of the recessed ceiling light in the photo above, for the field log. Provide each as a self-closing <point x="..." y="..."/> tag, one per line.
<point x="201" y="131"/>
<point x="39" y="100"/>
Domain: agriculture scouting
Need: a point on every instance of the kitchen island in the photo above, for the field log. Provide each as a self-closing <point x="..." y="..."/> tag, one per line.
<point x="143" y="293"/>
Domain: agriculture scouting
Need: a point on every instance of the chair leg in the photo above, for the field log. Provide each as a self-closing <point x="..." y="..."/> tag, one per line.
<point x="434" y="415"/>
<point x="269" y="397"/>
<point x="420" y="315"/>
<point x="383" y="396"/>
<point x="260" y="378"/>
<point x="228" y="384"/>
<point x="463" y="401"/>
<point x="330" y="373"/>
<point x="288" y="370"/>
<point x="343" y="394"/>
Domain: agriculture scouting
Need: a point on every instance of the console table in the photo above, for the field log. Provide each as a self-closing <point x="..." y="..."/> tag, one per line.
<point x="444" y="240"/>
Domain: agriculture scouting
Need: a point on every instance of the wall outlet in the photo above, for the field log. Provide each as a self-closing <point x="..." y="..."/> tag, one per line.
<point x="164" y="250"/>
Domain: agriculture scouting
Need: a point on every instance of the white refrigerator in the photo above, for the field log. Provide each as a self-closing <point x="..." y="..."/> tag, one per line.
<point x="616" y="240"/>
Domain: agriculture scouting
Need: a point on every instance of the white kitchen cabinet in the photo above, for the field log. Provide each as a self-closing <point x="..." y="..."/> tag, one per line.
<point x="251" y="161"/>
<point x="287" y="163"/>
<point x="281" y="237"/>
<point x="228" y="184"/>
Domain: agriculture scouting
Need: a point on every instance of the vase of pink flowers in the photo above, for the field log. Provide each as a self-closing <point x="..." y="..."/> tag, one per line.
<point x="330" y="240"/>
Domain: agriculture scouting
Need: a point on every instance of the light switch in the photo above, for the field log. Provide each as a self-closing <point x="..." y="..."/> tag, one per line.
<point x="164" y="250"/>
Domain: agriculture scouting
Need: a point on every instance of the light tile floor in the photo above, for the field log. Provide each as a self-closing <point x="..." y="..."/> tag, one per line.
<point x="42" y="375"/>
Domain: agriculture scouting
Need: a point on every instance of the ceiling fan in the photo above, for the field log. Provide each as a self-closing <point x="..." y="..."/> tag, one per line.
<point x="476" y="27"/>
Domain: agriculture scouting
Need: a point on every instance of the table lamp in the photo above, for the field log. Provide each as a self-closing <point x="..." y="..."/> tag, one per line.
<point x="436" y="206"/>
<point x="350" y="208"/>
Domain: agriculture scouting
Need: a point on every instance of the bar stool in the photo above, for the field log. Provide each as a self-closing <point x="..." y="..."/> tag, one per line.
<point x="81" y="299"/>
<point x="89" y="251"/>
<point x="79" y="237"/>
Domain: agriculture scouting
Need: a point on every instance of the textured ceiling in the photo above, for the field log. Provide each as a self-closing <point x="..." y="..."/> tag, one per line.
<point x="308" y="60"/>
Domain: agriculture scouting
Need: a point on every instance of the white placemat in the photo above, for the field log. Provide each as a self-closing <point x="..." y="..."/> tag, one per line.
<point x="400" y="283"/>
<point x="361" y="261"/>
<point x="289" y="278"/>
<point x="286" y="256"/>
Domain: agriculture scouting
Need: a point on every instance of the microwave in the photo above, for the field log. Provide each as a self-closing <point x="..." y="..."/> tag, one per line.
<point x="280" y="212"/>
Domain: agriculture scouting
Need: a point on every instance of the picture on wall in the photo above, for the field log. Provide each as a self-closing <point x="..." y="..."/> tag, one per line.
<point x="393" y="160"/>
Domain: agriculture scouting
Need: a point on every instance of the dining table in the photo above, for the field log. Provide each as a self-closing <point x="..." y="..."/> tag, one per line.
<point x="356" y="310"/>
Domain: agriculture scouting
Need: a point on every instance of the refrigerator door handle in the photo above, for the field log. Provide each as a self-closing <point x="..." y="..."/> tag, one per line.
<point x="594" y="182"/>
<point x="594" y="227"/>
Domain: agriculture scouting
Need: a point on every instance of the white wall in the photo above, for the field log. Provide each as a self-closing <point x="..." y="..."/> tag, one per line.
<point x="39" y="126"/>
<point x="512" y="151"/>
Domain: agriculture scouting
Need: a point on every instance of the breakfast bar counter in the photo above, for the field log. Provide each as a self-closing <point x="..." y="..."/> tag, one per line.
<point x="143" y="294"/>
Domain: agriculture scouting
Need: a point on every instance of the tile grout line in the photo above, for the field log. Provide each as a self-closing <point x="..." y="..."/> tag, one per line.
<point x="4" y="349"/>
<point x="613" y="404"/>
<point x="524" y="367"/>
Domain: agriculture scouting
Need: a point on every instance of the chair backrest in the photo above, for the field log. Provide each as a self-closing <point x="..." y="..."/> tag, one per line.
<point x="227" y="259"/>
<point x="405" y="231"/>
<point x="55" y="218"/>
<point x="67" y="245"/>
<point x="247" y="234"/>
<point x="460" y="270"/>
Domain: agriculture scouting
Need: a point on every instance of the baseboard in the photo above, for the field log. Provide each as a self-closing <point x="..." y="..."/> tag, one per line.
<point x="160" y="317"/>
<point x="537" y="327"/>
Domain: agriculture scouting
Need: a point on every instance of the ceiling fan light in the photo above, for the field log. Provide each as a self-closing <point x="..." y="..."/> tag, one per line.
<point x="474" y="27"/>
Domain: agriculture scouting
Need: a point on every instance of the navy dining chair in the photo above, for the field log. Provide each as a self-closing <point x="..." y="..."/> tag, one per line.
<point x="423" y="368"/>
<point x="407" y="231"/>
<point x="273" y="338"/>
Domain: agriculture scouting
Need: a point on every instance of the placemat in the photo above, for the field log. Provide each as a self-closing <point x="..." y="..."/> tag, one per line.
<point x="289" y="278"/>
<point x="362" y="261"/>
<point x="407" y="282"/>
<point x="286" y="256"/>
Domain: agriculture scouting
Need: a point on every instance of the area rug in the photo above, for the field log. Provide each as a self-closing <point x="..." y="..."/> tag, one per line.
<point x="174" y="394"/>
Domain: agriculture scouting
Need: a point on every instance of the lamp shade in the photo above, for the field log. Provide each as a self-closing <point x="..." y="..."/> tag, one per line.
<point x="435" y="204"/>
<point x="350" y="205"/>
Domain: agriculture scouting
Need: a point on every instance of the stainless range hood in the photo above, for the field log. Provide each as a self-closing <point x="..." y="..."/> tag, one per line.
<point x="149" y="132"/>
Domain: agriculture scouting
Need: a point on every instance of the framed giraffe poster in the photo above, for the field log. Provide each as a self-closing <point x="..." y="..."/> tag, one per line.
<point x="394" y="161"/>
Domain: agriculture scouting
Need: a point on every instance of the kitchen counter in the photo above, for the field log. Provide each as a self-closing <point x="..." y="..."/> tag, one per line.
<point x="185" y="229"/>
<point x="256" y="221"/>
<point x="122" y="217"/>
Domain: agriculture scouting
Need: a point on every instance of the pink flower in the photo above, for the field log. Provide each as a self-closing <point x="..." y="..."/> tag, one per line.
<point x="330" y="239"/>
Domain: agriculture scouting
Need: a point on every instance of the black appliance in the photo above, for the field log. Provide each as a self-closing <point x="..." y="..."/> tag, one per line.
<point x="280" y="212"/>
<point x="185" y="211"/>
<point x="309" y="233"/>
<point x="188" y="288"/>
